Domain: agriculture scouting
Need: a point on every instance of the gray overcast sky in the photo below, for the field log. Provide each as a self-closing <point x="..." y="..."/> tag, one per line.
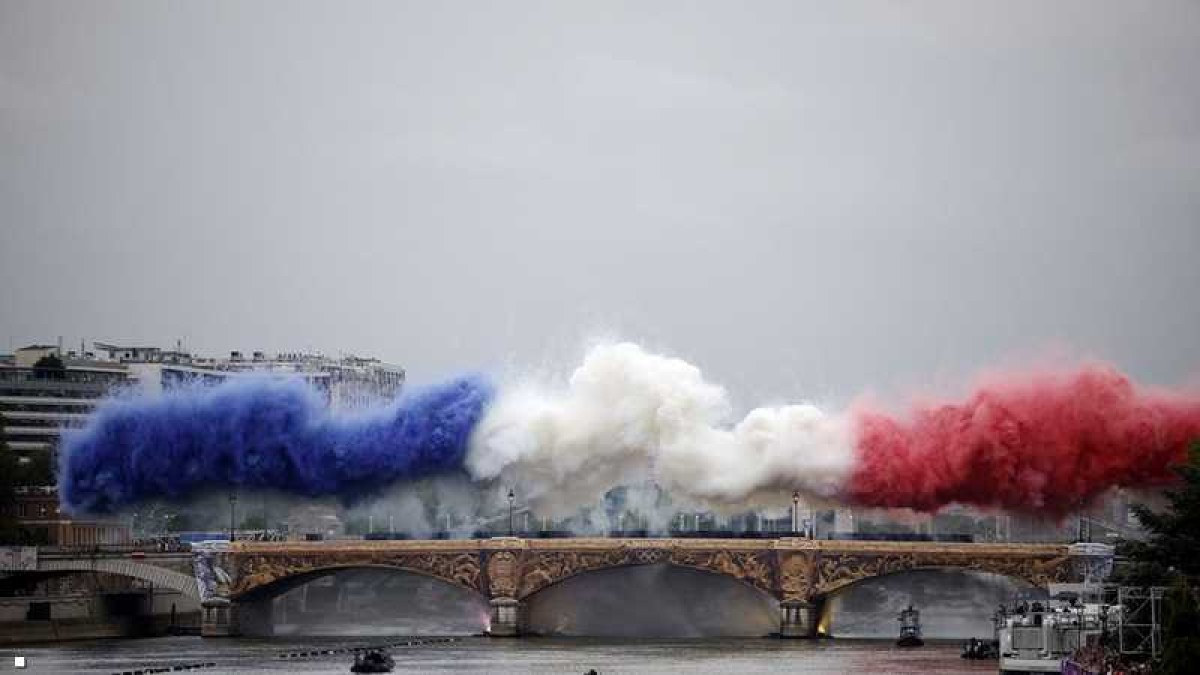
<point x="803" y="198"/>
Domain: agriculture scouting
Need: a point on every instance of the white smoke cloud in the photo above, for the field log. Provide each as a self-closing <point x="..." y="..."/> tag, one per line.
<point x="627" y="415"/>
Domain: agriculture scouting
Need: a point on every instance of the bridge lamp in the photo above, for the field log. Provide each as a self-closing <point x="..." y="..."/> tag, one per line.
<point x="232" y="510"/>
<point x="795" y="511"/>
<point x="511" y="497"/>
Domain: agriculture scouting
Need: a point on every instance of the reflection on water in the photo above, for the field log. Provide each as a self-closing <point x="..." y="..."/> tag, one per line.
<point x="510" y="657"/>
<point x="954" y="603"/>
<point x="652" y="601"/>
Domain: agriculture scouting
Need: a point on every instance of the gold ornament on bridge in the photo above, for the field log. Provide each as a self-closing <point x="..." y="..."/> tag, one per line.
<point x="502" y="574"/>
<point x="545" y="568"/>
<point x="256" y="571"/>
<point x="796" y="576"/>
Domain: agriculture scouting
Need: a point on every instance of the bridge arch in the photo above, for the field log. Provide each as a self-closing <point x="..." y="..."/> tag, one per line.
<point x="846" y="585"/>
<point x="955" y="602"/>
<point x="534" y="591"/>
<point x="542" y="570"/>
<point x="159" y="576"/>
<point x="250" y="573"/>
<point x="368" y="598"/>
<point x="656" y="599"/>
<point x="278" y="586"/>
<point x="833" y="573"/>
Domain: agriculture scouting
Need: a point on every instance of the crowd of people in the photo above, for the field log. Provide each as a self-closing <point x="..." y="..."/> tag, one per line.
<point x="1097" y="659"/>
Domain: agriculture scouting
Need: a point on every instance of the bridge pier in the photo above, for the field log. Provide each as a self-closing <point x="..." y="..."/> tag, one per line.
<point x="219" y="618"/>
<point x="506" y="618"/>
<point x="799" y="618"/>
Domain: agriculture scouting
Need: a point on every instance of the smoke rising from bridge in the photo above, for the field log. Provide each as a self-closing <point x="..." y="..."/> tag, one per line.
<point x="266" y="434"/>
<point x="1040" y="441"/>
<point x="1045" y="442"/>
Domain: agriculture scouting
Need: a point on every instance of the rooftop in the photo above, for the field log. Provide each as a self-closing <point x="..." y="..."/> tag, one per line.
<point x="111" y="347"/>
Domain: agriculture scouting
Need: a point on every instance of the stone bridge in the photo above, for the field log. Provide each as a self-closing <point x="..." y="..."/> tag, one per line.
<point x="799" y="573"/>
<point x="175" y="571"/>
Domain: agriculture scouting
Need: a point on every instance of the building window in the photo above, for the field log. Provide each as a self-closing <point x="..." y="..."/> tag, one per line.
<point x="38" y="611"/>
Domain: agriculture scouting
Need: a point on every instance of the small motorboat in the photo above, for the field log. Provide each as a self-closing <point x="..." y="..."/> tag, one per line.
<point x="910" y="628"/>
<point x="980" y="650"/>
<point x="373" y="661"/>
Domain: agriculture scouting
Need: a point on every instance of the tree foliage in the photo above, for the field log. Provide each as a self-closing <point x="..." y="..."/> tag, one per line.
<point x="1171" y="555"/>
<point x="49" y="366"/>
<point x="1174" y="542"/>
<point x="1181" y="631"/>
<point x="8" y="497"/>
<point x="34" y="469"/>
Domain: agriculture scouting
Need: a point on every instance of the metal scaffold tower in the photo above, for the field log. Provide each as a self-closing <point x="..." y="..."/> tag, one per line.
<point x="1139" y="623"/>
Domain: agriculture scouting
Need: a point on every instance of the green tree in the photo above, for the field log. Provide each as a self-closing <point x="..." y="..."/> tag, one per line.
<point x="33" y="469"/>
<point x="1174" y="541"/>
<point x="1171" y="555"/>
<point x="49" y="367"/>
<point x="8" y="497"/>
<point x="1181" y="631"/>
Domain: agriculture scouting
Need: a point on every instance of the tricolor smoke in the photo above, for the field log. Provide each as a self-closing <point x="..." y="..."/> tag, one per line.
<point x="264" y="434"/>
<point x="627" y="416"/>
<point x="1043" y="442"/>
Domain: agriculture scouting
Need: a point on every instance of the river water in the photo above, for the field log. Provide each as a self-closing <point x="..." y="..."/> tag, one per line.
<point x="502" y="656"/>
<point x="359" y="608"/>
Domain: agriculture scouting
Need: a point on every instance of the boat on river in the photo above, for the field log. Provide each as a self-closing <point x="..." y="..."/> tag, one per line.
<point x="1037" y="637"/>
<point x="373" y="661"/>
<point x="976" y="649"/>
<point x="910" y="628"/>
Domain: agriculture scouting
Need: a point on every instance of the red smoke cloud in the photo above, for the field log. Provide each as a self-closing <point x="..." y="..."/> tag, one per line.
<point x="1045" y="443"/>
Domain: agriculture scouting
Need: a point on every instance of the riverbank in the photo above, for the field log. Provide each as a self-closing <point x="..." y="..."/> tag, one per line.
<point x="13" y="633"/>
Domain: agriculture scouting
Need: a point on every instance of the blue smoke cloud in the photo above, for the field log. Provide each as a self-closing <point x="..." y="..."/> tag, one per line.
<point x="260" y="433"/>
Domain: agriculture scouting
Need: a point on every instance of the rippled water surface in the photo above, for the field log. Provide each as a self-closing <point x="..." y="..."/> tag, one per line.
<point x="481" y="655"/>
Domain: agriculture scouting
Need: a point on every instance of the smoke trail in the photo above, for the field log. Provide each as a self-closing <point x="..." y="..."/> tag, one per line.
<point x="264" y="434"/>
<point x="1045" y="442"/>
<point x="1039" y="442"/>
<point x="627" y="414"/>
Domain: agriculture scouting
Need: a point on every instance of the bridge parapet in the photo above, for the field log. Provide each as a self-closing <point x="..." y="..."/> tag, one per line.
<point x="817" y="568"/>
<point x="163" y="570"/>
<point x="799" y="573"/>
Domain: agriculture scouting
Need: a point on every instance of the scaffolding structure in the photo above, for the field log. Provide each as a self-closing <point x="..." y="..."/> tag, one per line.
<point x="1139" y="621"/>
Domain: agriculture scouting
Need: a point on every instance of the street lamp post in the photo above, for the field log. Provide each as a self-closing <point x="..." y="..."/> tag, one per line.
<point x="795" y="512"/>
<point x="511" y="498"/>
<point x="232" y="511"/>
